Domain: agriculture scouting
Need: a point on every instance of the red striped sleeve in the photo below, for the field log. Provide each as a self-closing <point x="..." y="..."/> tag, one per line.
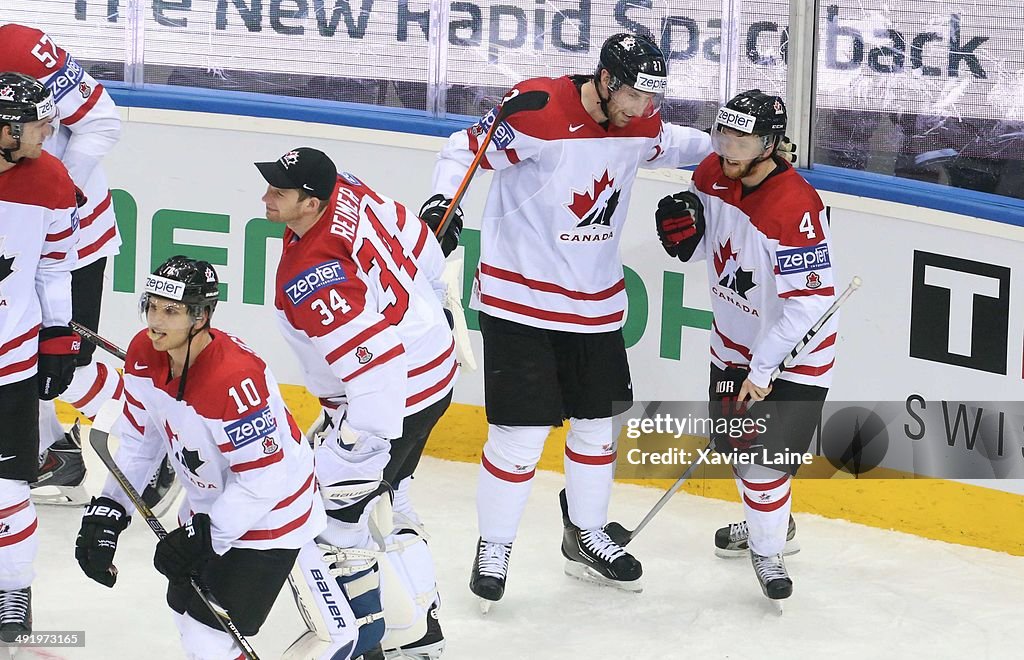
<point x="360" y="338"/>
<point x="85" y="107"/>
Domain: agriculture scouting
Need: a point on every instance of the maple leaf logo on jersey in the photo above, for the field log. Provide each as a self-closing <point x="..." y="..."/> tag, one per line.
<point x="4" y="528"/>
<point x="813" y="280"/>
<point x="363" y="355"/>
<point x="269" y="445"/>
<point x="597" y="205"/>
<point x="85" y="90"/>
<point x="731" y="276"/>
<point x="6" y="266"/>
<point x="191" y="459"/>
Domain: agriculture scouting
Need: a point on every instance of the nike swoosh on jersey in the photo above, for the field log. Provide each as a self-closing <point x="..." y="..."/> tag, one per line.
<point x="5" y="458"/>
<point x="139" y="365"/>
<point x="575" y="127"/>
<point x="715" y="186"/>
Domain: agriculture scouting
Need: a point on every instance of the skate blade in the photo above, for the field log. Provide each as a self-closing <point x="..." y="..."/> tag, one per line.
<point x="485" y="605"/>
<point x="791" y="548"/>
<point x="779" y="607"/>
<point x="586" y="574"/>
<point x="167" y="501"/>
<point x="60" y="496"/>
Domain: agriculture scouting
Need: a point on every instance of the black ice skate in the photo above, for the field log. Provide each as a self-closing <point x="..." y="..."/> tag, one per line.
<point x="592" y="556"/>
<point x="162" y="489"/>
<point x="731" y="540"/>
<point x="15" y="613"/>
<point x="490" y="568"/>
<point x="771" y="573"/>
<point x="62" y="472"/>
<point x="428" y="647"/>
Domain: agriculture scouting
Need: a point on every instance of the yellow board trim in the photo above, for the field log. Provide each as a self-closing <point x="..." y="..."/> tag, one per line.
<point x="932" y="508"/>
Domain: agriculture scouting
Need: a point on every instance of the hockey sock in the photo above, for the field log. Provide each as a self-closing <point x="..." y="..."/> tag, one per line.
<point x="507" y="466"/>
<point x="589" y="471"/>
<point x="766" y="502"/>
<point x="18" y="539"/>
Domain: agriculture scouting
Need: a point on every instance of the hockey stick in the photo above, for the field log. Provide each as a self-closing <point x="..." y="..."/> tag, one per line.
<point x="98" y="437"/>
<point x="532" y="100"/>
<point x="623" y="536"/>
<point x="94" y="338"/>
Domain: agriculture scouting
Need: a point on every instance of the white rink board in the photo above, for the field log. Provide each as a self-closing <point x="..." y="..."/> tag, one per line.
<point x="203" y="163"/>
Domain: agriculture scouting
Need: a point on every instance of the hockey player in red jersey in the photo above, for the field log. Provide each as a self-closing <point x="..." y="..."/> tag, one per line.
<point x="551" y="293"/>
<point x="38" y="233"/>
<point x="358" y="299"/>
<point x="251" y="499"/>
<point x="763" y="231"/>
<point x="90" y="128"/>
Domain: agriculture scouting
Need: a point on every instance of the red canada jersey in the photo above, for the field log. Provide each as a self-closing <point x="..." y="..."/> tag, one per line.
<point x="38" y="233"/>
<point x="90" y="126"/>
<point x="359" y="301"/>
<point x="769" y="264"/>
<point x="238" y="454"/>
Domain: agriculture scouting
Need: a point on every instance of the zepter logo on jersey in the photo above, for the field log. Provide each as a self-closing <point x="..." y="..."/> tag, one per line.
<point x="165" y="288"/>
<point x="313" y="279"/>
<point x="738" y="120"/>
<point x="251" y="428"/>
<point x="66" y="79"/>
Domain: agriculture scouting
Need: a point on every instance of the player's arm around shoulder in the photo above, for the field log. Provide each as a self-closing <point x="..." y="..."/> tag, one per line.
<point x="678" y="146"/>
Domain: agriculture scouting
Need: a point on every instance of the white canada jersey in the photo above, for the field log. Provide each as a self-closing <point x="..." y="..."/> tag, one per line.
<point x="90" y="126"/>
<point x="549" y="252"/>
<point x="770" y="270"/>
<point x="38" y="233"/>
<point x="238" y="454"/>
<point x="359" y="301"/>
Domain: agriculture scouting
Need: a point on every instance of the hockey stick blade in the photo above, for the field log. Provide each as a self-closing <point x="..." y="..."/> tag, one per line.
<point x="521" y="102"/>
<point x="623" y="536"/>
<point x="99" y="436"/>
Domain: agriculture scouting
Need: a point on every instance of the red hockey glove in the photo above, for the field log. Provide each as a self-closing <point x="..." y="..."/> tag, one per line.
<point x="680" y="224"/>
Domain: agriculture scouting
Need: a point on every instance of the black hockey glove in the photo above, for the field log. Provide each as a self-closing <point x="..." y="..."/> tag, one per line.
<point x="680" y="222"/>
<point x="103" y="522"/>
<point x="58" y="348"/>
<point x="186" y="550"/>
<point x="733" y="429"/>
<point x="433" y="211"/>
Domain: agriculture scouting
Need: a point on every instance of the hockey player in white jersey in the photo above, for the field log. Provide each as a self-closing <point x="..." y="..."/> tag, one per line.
<point x="552" y="297"/>
<point x="90" y="128"/>
<point x="251" y="499"/>
<point x="763" y="231"/>
<point x="38" y="233"/>
<point x="358" y="299"/>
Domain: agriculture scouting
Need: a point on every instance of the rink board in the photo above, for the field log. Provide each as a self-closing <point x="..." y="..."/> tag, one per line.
<point x="185" y="183"/>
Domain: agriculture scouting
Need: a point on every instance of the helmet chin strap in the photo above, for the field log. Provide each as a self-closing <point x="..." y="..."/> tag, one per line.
<point x="188" y="353"/>
<point x="8" y="154"/>
<point x="603" y="101"/>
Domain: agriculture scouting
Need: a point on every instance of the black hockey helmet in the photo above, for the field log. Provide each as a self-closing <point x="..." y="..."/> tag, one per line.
<point x="192" y="282"/>
<point x="633" y="60"/>
<point x="752" y="113"/>
<point x="23" y="99"/>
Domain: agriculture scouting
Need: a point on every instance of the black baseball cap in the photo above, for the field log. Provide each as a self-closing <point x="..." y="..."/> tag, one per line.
<point x="307" y="169"/>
